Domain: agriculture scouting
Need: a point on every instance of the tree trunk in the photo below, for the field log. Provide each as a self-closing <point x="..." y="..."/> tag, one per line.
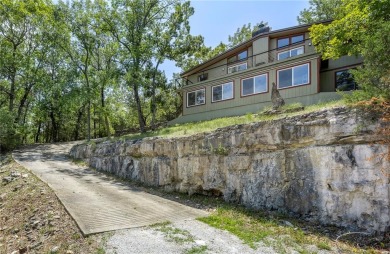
<point x="153" y="101"/>
<point x="106" y="121"/>
<point x="13" y="81"/>
<point x="23" y="102"/>
<point x="94" y="121"/>
<point x="141" y="119"/>
<point x="78" y="123"/>
<point x="54" y="126"/>
<point x="38" y="132"/>
<point x="47" y="138"/>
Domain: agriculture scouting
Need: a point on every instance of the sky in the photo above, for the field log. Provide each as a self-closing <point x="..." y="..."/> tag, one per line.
<point x="215" y="20"/>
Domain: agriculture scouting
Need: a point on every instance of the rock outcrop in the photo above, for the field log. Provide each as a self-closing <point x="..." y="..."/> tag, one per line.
<point x="327" y="166"/>
<point x="276" y="98"/>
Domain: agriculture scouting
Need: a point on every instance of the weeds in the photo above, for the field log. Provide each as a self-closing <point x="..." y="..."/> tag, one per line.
<point x="193" y="128"/>
<point x="173" y="234"/>
<point x="197" y="250"/>
<point x="254" y="227"/>
<point x="221" y="150"/>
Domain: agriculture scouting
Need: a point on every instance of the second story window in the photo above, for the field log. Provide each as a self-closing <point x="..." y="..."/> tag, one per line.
<point x="238" y="67"/>
<point x="285" y="42"/>
<point x="202" y="77"/>
<point x="239" y="57"/>
<point x="290" y="53"/>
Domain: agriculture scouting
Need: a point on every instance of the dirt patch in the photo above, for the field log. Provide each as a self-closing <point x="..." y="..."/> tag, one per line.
<point x="32" y="220"/>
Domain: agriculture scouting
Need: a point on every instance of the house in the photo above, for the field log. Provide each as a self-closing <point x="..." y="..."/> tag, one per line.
<point x="239" y="80"/>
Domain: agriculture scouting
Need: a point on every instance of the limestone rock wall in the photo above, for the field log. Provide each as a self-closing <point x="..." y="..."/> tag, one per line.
<point x="327" y="166"/>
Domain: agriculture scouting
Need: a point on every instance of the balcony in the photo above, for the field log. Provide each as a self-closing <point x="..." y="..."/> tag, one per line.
<point x="260" y="60"/>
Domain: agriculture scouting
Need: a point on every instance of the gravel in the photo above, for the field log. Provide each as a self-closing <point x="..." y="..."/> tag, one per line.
<point x="204" y="239"/>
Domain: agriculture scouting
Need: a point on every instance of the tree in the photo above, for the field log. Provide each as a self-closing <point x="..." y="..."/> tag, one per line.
<point x="360" y="28"/>
<point x="20" y="40"/>
<point x="319" y="10"/>
<point x="22" y="52"/>
<point x="244" y="33"/>
<point x="205" y="53"/>
<point x="83" y="25"/>
<point x="137" y="26"/>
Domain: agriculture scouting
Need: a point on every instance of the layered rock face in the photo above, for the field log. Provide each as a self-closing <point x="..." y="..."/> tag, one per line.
<point x="328" y="166"/>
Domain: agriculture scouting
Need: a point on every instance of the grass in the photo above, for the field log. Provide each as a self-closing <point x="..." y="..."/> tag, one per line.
<point x="179" y="236"/>
<point x="260" y="228"/>
<point x="323" y="246"/>
<point x="197" y="250"/>
<point x="173" y="234"/>
<point x="188" y="129"/>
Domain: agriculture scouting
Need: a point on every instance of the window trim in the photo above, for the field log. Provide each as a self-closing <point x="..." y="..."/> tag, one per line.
<point x="203" y="75"/>
<point x="194" y="91"/>
<point x="289" y="41"/>
<point x="335" y="78"/>
<point x="236" y="55"/>
<point x="252" y="94"/>
<point x="212" y="90"/>
<point x="289" y="50"/>
<point x="232" y="66"/>
<point x="291" y="67"/>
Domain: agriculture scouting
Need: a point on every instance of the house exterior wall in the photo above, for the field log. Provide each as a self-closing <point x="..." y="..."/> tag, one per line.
<point x="328" y="75"/>
<point x="220" y="68"/>
<point x="263" y="59"/>
<point x="236" y="104"/>
<point x="214" y="71"/>
<point x="260" y="51"/>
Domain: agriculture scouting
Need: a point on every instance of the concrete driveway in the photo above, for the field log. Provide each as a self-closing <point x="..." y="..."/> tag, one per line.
<point x="98" y="203"/>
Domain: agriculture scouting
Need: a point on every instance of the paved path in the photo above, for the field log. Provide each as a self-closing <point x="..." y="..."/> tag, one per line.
<point x="97" y="202"/>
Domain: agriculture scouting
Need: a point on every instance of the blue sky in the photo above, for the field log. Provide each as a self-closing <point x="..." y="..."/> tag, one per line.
<point x="215" y="20"/>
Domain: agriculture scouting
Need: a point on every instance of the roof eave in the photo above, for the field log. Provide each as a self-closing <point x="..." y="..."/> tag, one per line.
<point x="243" y="45"/>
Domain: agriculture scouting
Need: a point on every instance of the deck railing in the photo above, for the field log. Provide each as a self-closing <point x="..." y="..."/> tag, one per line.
<point x="259" y="59"/>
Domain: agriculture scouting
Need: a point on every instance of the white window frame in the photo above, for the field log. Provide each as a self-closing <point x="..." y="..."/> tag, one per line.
<point x="242" y="85"/>
<point x="196" y="91"/>
<point x="234" y="66"/>
<point x="289" y="52"/>
<point x="292" y="76"/>
<point x="222" y="85"/>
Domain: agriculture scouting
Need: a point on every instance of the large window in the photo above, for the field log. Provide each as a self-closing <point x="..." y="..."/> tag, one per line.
<point x="284" y="42"/>
<point x="240" y="56"/>
<point x="196" y="98"/>
<point x="345" y="81"/>
<point x="223" y="92"/>
<point x="238" y="67"/>
<point x="295" y="76"/>
<point x="290" y="53"/>
<point x="254" y="85"/>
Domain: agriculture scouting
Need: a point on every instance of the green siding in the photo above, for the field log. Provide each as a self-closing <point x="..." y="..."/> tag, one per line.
<point x="344" y="61"/>
<point x="259" y="47"/>
<point x="328" y="75"/>
<point x="239" y="101"/>
<point x="306" y="94"/>
<point x="253" y="108"/>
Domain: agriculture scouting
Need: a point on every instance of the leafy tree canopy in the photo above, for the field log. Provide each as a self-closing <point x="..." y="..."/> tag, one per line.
<point x="360" y="28"/>
<point x="319" y="10"/>
<point x="241" y="35"/>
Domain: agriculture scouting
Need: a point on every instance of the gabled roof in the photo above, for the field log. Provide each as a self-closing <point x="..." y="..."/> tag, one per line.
<point x="245" y="45"/>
